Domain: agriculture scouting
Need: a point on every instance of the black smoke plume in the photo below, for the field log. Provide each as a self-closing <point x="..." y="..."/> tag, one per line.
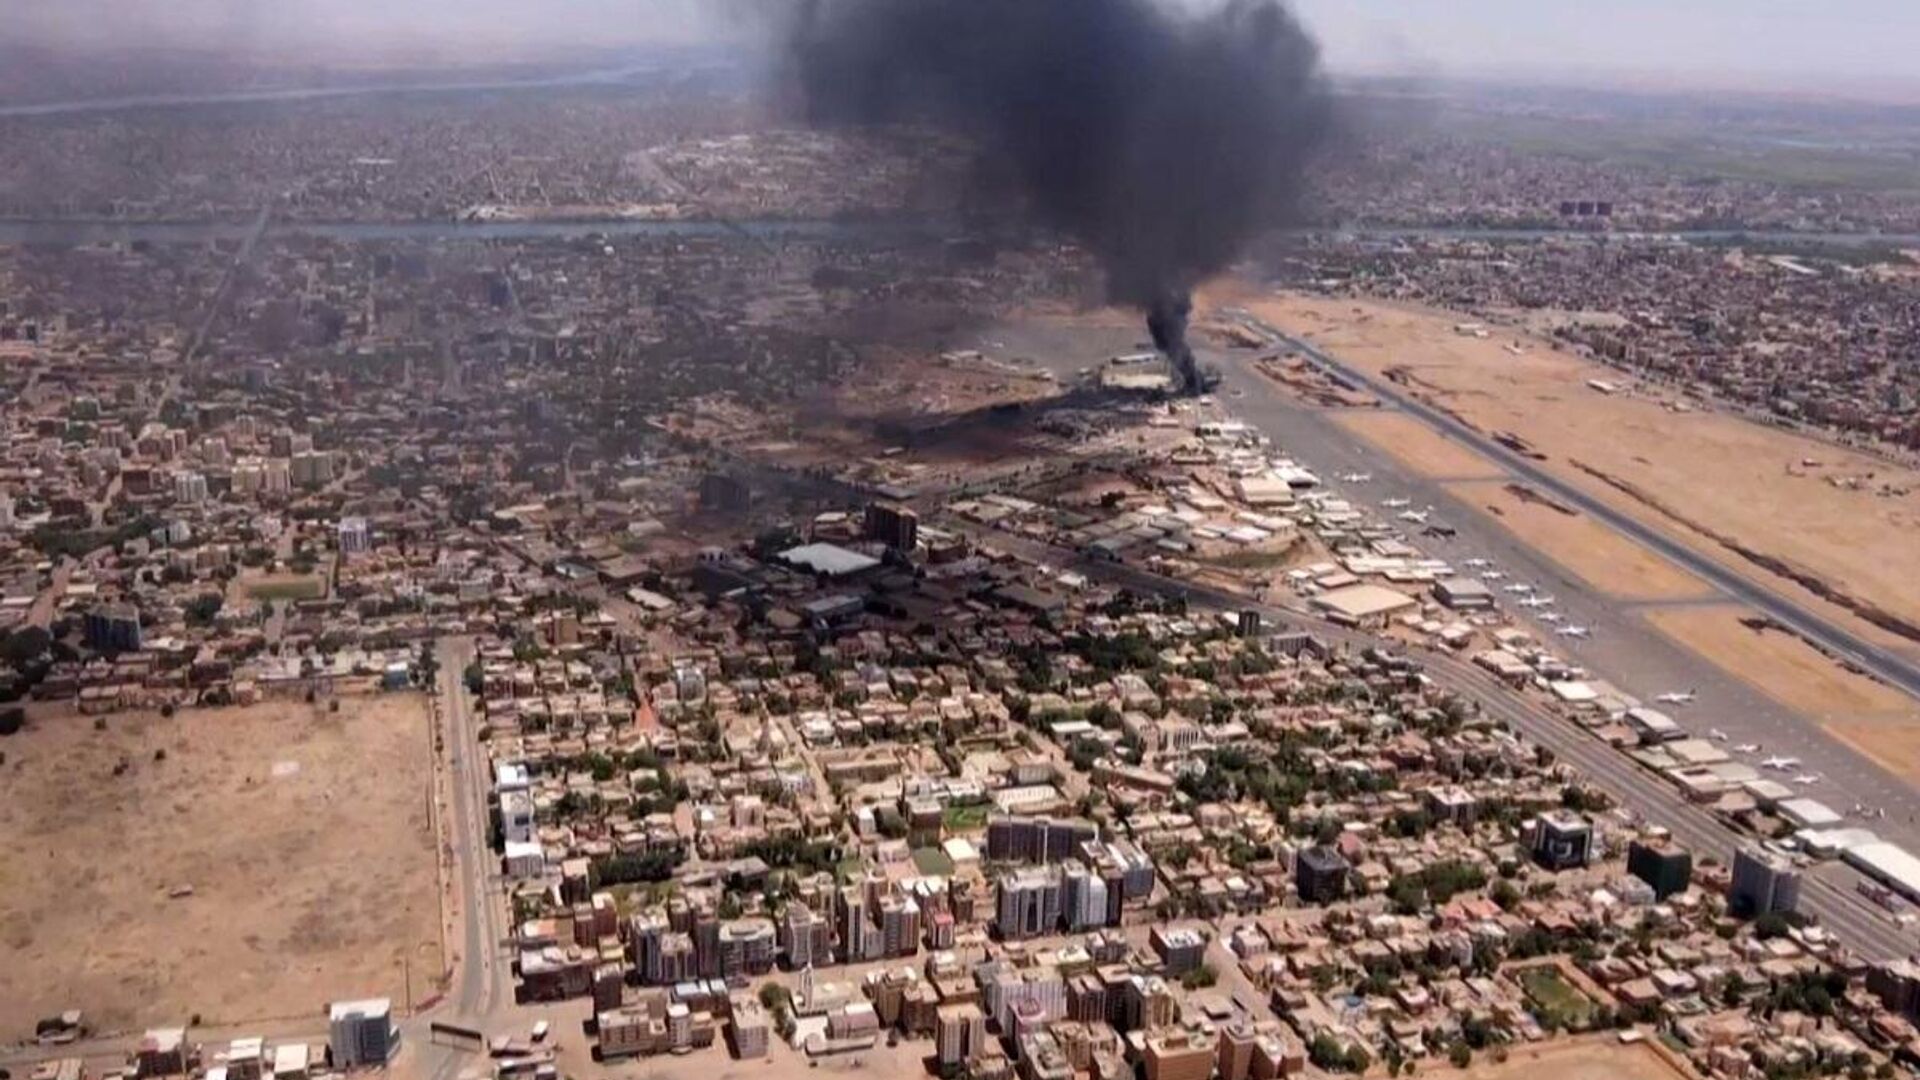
<point x="1161" y="140"/>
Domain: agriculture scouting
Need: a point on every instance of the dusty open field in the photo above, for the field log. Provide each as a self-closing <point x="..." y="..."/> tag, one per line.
<point x="1417" y="446"/>
<point x="1724" y="476"/>
<point x="304" y="835"/>
<point x="1596" y="554"/>
<point x="1779" y="664"/>
<point x="1595" y="1057"/>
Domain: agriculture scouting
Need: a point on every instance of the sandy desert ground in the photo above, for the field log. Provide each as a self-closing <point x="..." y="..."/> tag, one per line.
<point x="1417" y="446"/>
<point x="1596" y="554"/>
<point x="303" y="833"/>
<point x="1593" y="1057"/>
<point x="1704" y="477"/>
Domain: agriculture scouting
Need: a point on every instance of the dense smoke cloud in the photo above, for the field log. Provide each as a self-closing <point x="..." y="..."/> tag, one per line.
<point x="1161" y="139"/>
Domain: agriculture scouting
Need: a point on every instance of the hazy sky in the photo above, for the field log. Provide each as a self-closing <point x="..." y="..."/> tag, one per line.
<point x="1809" y="44"/>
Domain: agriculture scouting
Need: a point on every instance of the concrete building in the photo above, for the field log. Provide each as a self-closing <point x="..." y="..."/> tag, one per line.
<point x="893" y="525"/>
<point x="1763" y="882"/>
<point x="961" y="1033"/>
<point x="354" y="536"/>
<point x="1177" y="1055"/>
<point x="1561" y="840"/>
<point x="112" y="628"/>
<point x="1028" y="904"/>
<point x="1666" y="867"/>
<point x="361" y="1033"/>
<point x="1181" y="949"/>
<point x="1320" y="875"/>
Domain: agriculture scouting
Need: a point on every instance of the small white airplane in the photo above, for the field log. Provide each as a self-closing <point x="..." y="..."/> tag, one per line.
<point x="1356" y="477"/>
<point x="1716" y="735"/>
<point x="1537" y="602"/>
<point x="1574" y="632"/>
<point x="1781" y="763"/>
<point x="1549" y="617"/>
<point x="1418" y="517"/>
<point x="1395" y="504"/>
<point x="1748" y="748"/>
<point x="1492" y="575"/>
<point x="1807" y="778"/>
<point x="1519" y="587"/>
<point x="1476" y="564"/>
<point x="1676" y="697"/>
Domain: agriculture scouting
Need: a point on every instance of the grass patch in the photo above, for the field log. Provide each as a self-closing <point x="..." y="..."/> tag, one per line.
<point x="287" y="588"/>
<point x="1556" y="1000"/>
<point x="964" y="818"/>
<point x="932" y="861"/>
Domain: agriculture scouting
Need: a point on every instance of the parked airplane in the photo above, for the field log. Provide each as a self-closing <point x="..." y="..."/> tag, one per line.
<point x="1519" y="587"/>
<point x="1418" y="517"/>
<point x="1716" y="735"/>
<point x="1395" y="504"/>
<point x="1475" y="564"/>
<point x="1493" y="575"/>
<point x="1748" y="748"/>
<point x="1807" y="778"/>
<point x="1537" y="602"/>
<point x="1676" y="697"/>
<point x="1781" y="763"/>
<point x="1575" y="632"/>
<point x="1549" y="617"/>
<point x="1356" y="477"/>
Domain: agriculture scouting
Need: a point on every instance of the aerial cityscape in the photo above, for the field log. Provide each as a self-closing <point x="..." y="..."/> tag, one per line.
<point x="968" y="539"/>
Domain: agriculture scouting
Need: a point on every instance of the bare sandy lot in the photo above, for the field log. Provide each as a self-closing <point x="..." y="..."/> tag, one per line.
<point x="1596" y="1057"/>
<point x="1596" y="554"/>
<point x="1891" y="741"/>
<point x="303" y="834"/>
<point x="1415" y="445"/>
<point x="1706" y="478"/>
<point x="1779" y="664"/>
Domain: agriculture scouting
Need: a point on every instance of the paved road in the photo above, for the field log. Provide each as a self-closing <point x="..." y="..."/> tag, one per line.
<point x="483" y="979"/>
<point x="1889" y="666"/>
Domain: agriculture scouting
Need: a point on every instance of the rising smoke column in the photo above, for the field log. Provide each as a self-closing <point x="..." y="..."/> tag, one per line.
<point x="1162" y="140"/>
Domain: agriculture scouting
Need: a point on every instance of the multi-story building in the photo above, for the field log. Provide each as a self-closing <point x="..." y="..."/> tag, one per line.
<point x="1561" y="840"/>
<point x="1029" y="902"/>
<point x="1763" y="882"/>
<point x="112" y="628"/>
<point x="899" y="926"/>
<point x="1320" y="875"/>
<point x="748" y="1028"/>
<point x="1181" y="949"/>
<point x="1036" y="839"/>
<point x="1177" y="1055"/>
<point x="893" y="525"/>
<point x="1084" y="898"/>
<point x="354" y="536"/>
<point x="961" y="1033"/>
<point x="747" y="948"/>
<point x="805" y="937"/>
<point x="361" y="1033"/>
<point x="1666" y="867"/>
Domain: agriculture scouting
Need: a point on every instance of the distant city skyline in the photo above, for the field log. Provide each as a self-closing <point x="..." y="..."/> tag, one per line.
<point x="1851" y="47"/>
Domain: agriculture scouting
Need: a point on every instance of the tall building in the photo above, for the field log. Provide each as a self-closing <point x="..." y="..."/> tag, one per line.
<point x="1028" y="903"/>
<point x="1181" y="949"/>
<point x="1763" y="882"/>
<point x="960" y="1034"/>
<point x="1669" y="869"/>
<point x="1561" y="840"/>
<point x="1036" y="839"/>
<point x="899" y="926"/>
<point x="855" y="927"/>
<point x="355" y="537"/>
<point x="805" y="937"/>
<point x="1320" y="875"/>
<point x="361" y="1033"/>
<point x="747" y="948"/>
<point x="893" y="525"/>
<point x="112" y="628"/>
<point x="1084" y="898"/>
